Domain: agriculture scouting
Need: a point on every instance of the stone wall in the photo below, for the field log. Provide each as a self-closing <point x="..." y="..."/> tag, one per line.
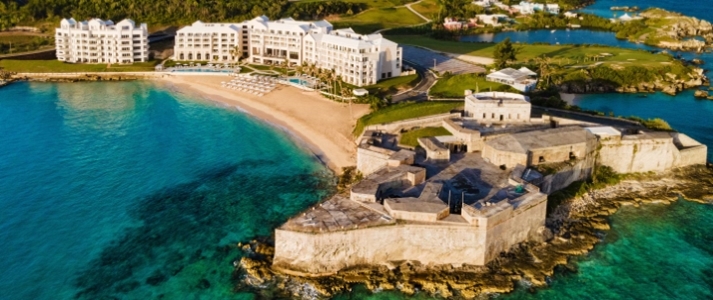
<point x="638" y="155"/>
<point x="522" y="224"/>
<point x="326" y="253"/>
<point x="493" y="112"/>
<point x="566" y="175"/>
<point x="436" y="244"/>
<point x="429" y="121"/>
<point x="369" y="161"/>
<point x="556" y="154"/>
<point x="498" y="158"/>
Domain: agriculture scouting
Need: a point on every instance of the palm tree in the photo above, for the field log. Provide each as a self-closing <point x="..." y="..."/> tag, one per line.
<point x="546" y="69"/>
<point x="284" y="64"/>
<point x="237" y="51"/>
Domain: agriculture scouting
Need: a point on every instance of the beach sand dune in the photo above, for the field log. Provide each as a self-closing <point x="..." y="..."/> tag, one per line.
<point x="324" y="125"/>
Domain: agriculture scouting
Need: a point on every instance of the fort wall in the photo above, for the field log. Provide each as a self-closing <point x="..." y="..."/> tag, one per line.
<point x="369" y="161"/>
<point x="326" y="253"/>
<point x="638" y="155"/>
<point x="434" y="243"/>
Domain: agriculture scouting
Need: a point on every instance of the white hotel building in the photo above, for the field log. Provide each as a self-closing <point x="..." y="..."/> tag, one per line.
<point x="358" y="59"/>
<point x="98" y="41"/>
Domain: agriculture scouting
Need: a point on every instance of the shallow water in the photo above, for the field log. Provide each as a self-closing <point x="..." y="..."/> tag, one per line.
<point x="129" y="190"/>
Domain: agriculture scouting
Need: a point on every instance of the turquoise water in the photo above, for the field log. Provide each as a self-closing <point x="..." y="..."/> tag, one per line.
<point x="129" y="191"/>
<point x="702" y="9"/>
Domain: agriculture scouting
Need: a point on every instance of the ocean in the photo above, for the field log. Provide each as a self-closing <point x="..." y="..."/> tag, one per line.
<point x="127" y="190"/>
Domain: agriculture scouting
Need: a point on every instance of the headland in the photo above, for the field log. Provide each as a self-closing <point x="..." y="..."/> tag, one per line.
<point x="466" y="214"/>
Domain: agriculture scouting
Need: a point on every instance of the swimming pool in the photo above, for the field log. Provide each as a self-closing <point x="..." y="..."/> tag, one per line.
<point x="299" y="81"/>
<point x="204" y="70"/>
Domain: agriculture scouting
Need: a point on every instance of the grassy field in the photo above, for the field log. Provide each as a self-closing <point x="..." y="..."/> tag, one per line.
<point x="55" y="66"/>
<point x="17" y="42"/>
<point x="403" y="111"/>
<point x="393" y="85"/>
<point x="375" y="19"/>
<point x="454" y="86"/>
<point x="563" y="54"/>
<point x="428" y="8"/>
<point x="372" y="3"/>
<point x="411" y="138"/>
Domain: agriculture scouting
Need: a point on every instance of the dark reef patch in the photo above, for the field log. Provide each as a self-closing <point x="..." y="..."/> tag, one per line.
<point x="186" y="224"/>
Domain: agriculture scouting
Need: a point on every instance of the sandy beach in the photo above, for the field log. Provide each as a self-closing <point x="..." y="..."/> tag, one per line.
<point x="324" y="125"/>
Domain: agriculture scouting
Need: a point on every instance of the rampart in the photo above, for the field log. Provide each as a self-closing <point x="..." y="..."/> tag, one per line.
<point x="431" y="243"/>
<point x="654" y="151"/>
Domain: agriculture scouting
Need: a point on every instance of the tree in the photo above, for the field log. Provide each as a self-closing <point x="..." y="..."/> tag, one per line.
<point x="504" y="53"/>
<point x="237" y="52"/>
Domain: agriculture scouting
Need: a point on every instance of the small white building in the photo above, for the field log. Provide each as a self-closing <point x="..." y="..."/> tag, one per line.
<point x="570" y="15"/>
<point x="483" y="3"/>
<point x="528" y="8"/>
<point x="498" y="107"/>
<point x="523" y="79"/>
<point x="493" y="20"/>
<point x="98" y="41"/>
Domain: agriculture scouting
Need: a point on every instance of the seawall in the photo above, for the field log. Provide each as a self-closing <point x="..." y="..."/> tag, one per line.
<point x="441" y="243"/>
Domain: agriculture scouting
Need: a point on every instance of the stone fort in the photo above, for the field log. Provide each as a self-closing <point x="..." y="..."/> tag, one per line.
<point x="466" y="197"/>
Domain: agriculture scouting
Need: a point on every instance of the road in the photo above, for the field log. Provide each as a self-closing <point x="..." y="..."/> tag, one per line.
<point x="420" y="91"/>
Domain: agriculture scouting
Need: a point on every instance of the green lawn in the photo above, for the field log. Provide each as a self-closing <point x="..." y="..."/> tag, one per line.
<point x="15" y="43"/>
<point x="403" y="111"/>
<point x="563" y="54"/>
<point x="428" y="8"/>
<point x="55" y="66"/>
<point x="371" y="3"/>
<point x="455" y="86"/>
<point x="411" y="138"/>
<point x="375" y="19"/>
<point x="393" y="85"/>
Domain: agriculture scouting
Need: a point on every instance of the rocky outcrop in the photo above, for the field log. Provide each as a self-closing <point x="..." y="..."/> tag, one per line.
<point x="678" y="32"/>
<point x="701" y="94"/>
<point x="572" y="229"/>
<point x="669" y="83"/>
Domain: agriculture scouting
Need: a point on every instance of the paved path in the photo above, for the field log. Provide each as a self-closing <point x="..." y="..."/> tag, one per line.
<point x="417" y="13"/>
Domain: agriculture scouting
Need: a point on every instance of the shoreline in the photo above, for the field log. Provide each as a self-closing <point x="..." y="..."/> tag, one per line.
<point x="319" y="125"/>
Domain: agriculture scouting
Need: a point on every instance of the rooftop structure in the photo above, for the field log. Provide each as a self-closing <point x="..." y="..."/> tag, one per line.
<point x="604" y="132"/>
<point x="523" y="79"/>
<point x="99" y="41"/>
<point x="358" y="59"/>
<point x="498" y="107"/>
<point x="538" y="147"/>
